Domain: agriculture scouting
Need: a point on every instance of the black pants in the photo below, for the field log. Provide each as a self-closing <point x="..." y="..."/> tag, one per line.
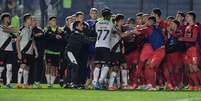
<point x="39" y="68"/>
<point x="83" y="70"/>
<point x="73" y="66"/>
<point x="62" y="67"/>
<point x="31" y="73"/>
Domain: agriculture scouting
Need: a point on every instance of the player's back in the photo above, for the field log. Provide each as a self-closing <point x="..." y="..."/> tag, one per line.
<point x="103" y="30"/>
<point x="115" y="38"/>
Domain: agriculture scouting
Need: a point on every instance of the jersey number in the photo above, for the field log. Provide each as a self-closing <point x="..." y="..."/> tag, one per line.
<point x="106" y="33"/>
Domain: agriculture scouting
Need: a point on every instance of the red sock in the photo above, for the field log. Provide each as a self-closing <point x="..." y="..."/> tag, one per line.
<point x="139" y="68"/>
<point x="166" y="73"/>
<point x="186" y="76"/>
<point x="160" y="77"/>
<point x="178" y="76"/>
<point x="172" y="79"/>
<point x="153" y="77"/>
<point x="142" y="79"/>
<point x="193" y="78"/>
<point x="150" y="76"/>
<point x="146" y="75"/>
<point x="138" y="72"/>
<point x="198" y="75"/>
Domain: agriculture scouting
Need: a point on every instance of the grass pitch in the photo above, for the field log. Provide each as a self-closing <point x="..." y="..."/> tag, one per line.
<point x="58" y="94"/>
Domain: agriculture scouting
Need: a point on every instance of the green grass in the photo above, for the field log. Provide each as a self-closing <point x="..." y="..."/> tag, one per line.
<point x="58" y="94"/>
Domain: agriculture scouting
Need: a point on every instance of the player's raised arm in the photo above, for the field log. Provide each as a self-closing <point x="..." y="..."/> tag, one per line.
<point x="10" y="29"/>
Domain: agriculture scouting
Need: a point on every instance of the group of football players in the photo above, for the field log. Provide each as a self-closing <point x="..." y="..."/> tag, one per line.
<point x="106" y="52"/>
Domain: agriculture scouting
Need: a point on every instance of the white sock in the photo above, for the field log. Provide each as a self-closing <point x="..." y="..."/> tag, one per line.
<point x="106" y="80"/>
<point x="1" y="71"/>
<point x="25" y="76"/>
<point x="96" y="74"/>
<point x="104" y="72"/>
<point x="37" y="83"/>
<point x="19" y="76"/>
<point x="48" y="78"/>
<point x="124" y="74"/>
<point x="9" y="73"/>
<point x="112" y="78"/>
<point x="118" y="80"/>
<point x="52" y="79"/>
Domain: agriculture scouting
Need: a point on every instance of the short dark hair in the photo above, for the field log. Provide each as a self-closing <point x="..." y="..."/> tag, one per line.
<point x="146" y="15"/>
<point x="79" y="13"/>
<point x="67" y="18"/>
<point x="26" y="16"/>
<point x="5" y="14"/>
<point x="140" y="14"/>
<point x="119" y="17"/>
<point x="157" y="11"/>
<point x="170" y="17"/>
<point x="153" y="18"/>
<point x="106" y="12"/>
<point x="191" y="13"/>
<point x="181" y="13"/>
<point x="52" y="17"/>
<point x="176" y="22"/>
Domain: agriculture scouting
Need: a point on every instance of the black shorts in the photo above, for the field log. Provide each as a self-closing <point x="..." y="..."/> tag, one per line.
<point x="52" y="59"/>
<point x="102" y="55"/>
<point x="27" y="59"/>
<point x="7" y="57"/>
<point x="117" y="59"/>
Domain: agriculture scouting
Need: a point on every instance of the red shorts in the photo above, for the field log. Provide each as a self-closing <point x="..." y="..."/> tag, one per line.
<point x="157" y="57"/>
<point x="175" y="58"/>
<point x="146" y="52"/>
<point x="133" y="57"/>
<point x="192" y="56"/>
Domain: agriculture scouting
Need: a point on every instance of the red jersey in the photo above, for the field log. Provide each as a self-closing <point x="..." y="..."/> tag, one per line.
<point x="191" y="34"/>
<point x="146" y="31"/>
<point x="162" y="24"/>
<point x="182" y="27"/>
